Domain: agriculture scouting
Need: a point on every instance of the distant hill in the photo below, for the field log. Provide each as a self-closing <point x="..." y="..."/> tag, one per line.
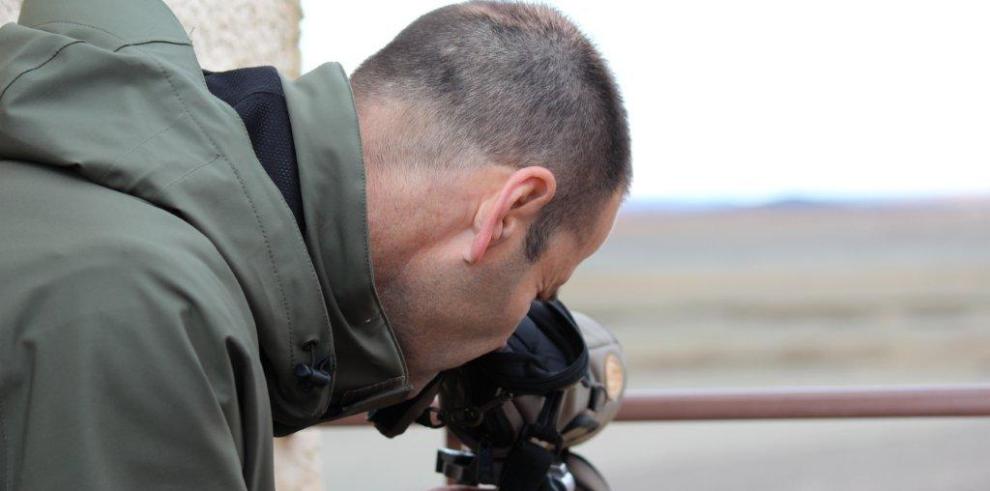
<point x="663" y="206"/>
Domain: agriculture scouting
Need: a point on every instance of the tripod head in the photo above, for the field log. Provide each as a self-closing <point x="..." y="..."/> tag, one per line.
<point x="519" y="410"/>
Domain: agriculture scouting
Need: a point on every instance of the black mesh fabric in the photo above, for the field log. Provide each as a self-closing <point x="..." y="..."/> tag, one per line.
<point x="256" y="94"/>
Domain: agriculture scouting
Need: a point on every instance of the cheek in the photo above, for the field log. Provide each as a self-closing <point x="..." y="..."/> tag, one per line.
<point x="502" y="298"/>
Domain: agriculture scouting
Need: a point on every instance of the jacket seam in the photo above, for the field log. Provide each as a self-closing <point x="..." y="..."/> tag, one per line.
<point x="298" y="237"/>
<point x="151" y="41"/>
<point x="111" y="34"/>
<point x="360" y="391"/>
<point x="254" y="210"/>
<point x="4" y="461"/>
<point x="38" y="67"/>
<point x="190" y="171"/>
<point x="301" y="243"/>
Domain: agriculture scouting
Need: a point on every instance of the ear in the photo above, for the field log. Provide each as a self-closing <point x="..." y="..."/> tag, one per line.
<point x="519" y="200"/>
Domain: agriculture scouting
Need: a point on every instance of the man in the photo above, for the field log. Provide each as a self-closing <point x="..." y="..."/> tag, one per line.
<point x="186" y="258"/>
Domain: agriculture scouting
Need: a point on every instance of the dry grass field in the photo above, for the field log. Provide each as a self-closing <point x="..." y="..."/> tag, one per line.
<point x="798" y="293"/>
<point x="792" y="294"/>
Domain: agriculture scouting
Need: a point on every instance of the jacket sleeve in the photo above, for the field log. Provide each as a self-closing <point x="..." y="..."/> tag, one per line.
<point x="131" y="381"/>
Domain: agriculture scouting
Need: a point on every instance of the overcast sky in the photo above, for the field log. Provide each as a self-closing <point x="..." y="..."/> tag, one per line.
<point x="757" y="100"/>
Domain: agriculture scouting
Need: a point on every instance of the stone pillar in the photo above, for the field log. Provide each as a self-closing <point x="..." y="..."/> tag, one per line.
<point x="237" y="33"/>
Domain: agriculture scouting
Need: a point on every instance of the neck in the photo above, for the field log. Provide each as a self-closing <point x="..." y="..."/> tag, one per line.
<point x="411" y="218"/>
<point x="409" y="213"/>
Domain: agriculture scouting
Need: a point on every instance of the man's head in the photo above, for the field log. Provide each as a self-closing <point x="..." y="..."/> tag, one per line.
<point x="497" y="154"/>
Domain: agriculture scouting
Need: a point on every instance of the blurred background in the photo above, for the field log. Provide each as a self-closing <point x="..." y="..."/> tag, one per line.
<point x="811" y="205"/>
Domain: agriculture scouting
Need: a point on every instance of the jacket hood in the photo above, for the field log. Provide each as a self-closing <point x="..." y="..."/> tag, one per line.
<point x="110" y="90"/>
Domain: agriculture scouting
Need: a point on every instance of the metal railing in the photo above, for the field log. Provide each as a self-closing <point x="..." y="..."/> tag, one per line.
<point x="788" y="403"/>
<point x="796" y="402"/>
<point x="806" y="402"/>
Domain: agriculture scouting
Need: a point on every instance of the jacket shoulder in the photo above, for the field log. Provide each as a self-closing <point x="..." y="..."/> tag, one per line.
<point x="126" y="345"/>
<point x="128" y="357"/>
<point x="80" y="248"/>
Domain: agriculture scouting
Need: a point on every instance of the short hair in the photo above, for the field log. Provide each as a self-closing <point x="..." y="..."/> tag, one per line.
<point x="518" y="84"/>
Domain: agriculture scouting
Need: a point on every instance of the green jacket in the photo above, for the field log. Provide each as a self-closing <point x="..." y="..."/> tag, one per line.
<point x="156" y="294"/>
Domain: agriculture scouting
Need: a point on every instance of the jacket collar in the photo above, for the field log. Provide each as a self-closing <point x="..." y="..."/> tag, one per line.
<point x="371" y="370"/>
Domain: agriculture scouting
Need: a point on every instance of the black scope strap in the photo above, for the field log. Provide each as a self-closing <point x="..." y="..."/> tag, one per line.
<point x="529" y="461"/>
<point x="393" y="420"/>
<point x="525" y="467"/>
